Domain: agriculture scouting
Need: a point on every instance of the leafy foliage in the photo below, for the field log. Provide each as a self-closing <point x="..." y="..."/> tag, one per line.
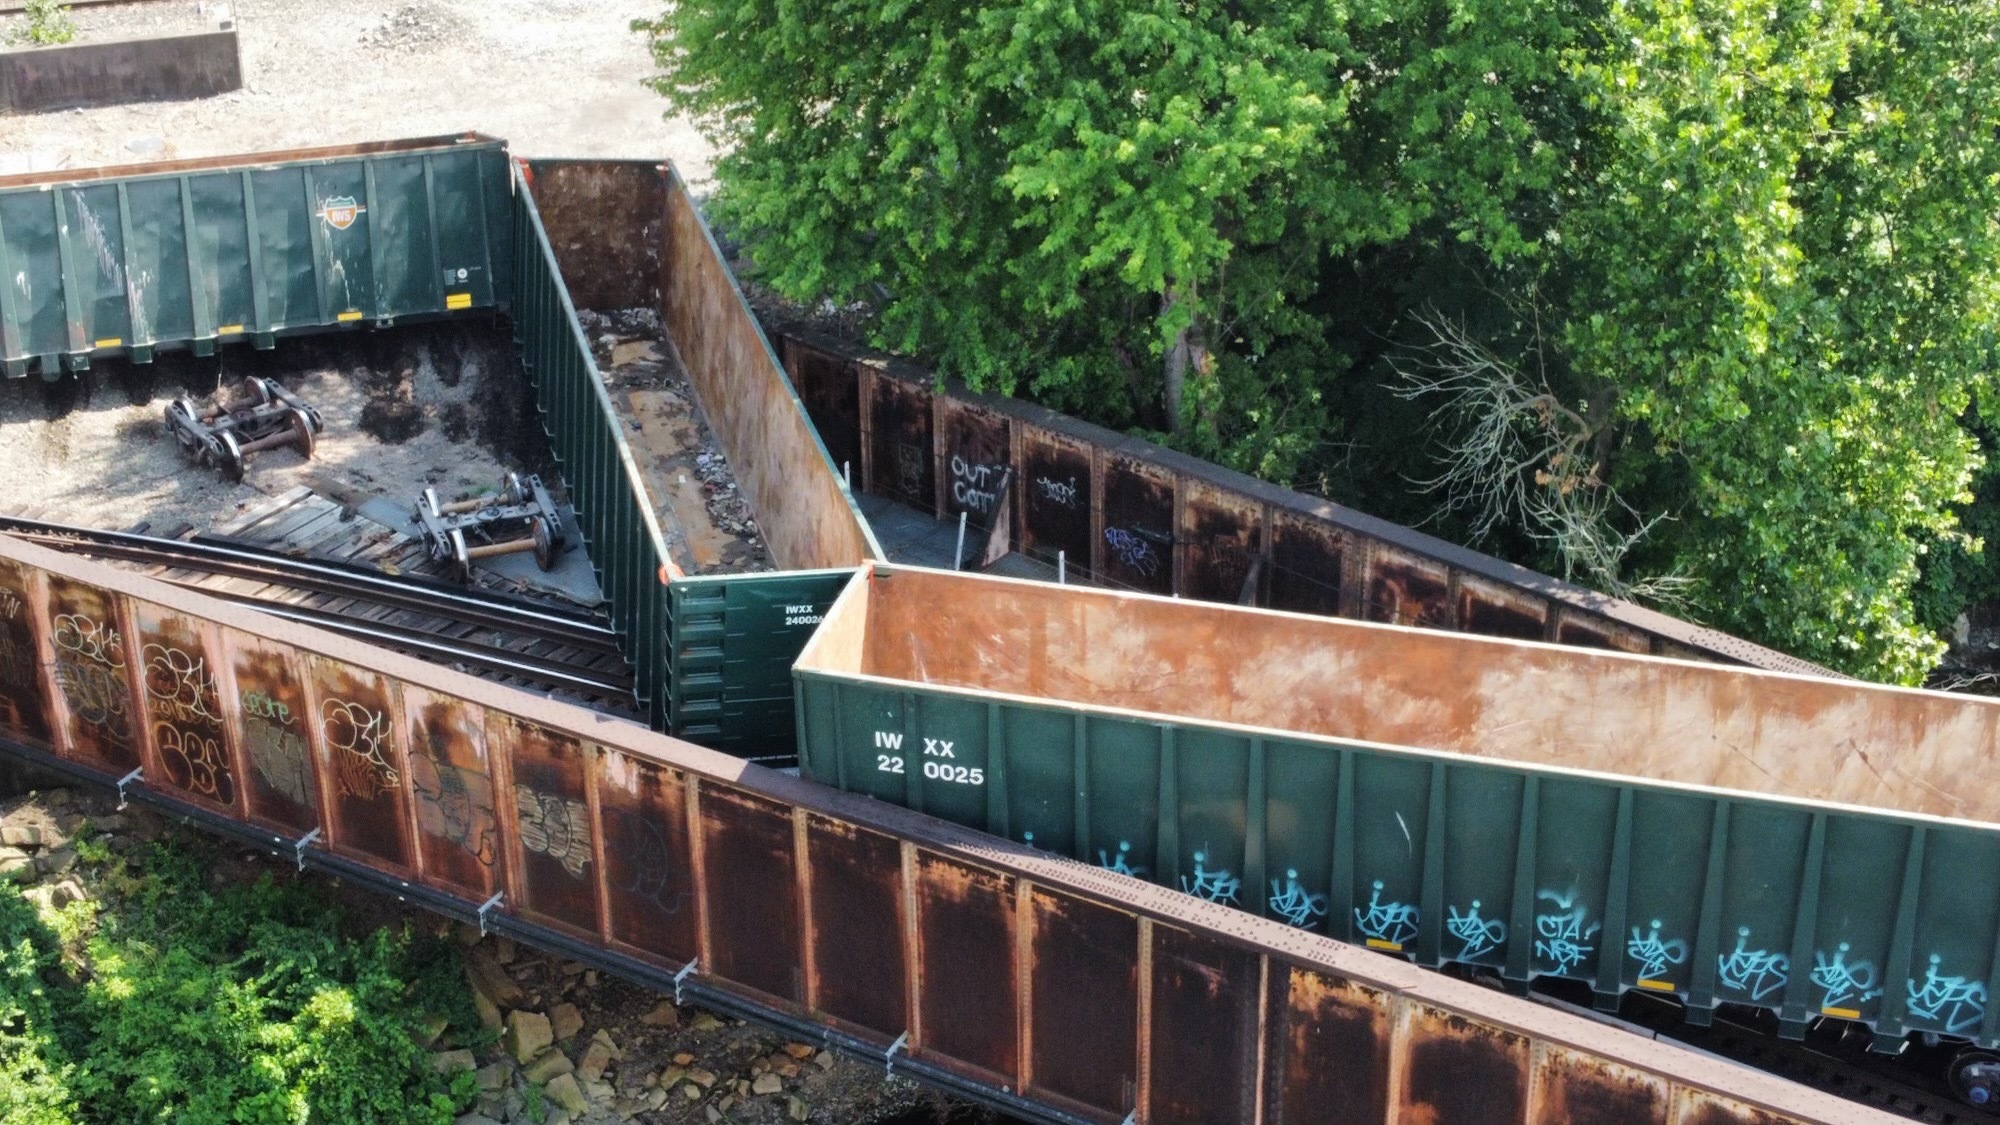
<point x="1752" y="247"/>
<point x="243" y="1005"/>
<point x="48" y="25"/>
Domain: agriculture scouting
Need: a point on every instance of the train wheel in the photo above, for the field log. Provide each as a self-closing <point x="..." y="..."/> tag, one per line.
<point x="514" y="489"/>
<point x="461" y="559"/>
<point x="304" y="428"/>
<point x="430" y="503"/>
<point x="1975" y="1077"/>
<point x="231" y="461"/>
<point x="545" y="545"/>
<point x="261" y="388"/>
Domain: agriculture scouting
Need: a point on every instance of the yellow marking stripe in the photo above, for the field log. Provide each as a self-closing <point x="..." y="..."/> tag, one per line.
<point x="1392" y="946"/>
<point x="349" y="316"/>
<point x="1657" y="985"/>
<point x="229" y="330"/>
<point x="458" y="301"/>
<point x="1843" y="1013"/>
<point x="111" y="343"/>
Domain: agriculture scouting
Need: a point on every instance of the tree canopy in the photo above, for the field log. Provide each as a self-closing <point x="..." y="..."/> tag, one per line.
<point x="1714" y="282"/>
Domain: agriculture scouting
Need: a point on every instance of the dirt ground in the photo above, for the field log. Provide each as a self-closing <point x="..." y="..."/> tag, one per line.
<point x="441" y="406"/>
<point x="553" y="77"/>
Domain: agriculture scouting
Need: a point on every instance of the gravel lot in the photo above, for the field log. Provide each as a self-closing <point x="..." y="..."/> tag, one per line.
<point x="554" y="77"/>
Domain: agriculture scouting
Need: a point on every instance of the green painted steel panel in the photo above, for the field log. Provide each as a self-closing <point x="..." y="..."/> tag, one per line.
<point x="734" y="638"/>
<point x="1624" y="884"/>
<point x="133" y="261"/>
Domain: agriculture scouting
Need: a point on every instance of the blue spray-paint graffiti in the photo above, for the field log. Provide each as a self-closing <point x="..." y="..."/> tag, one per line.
<point x="1294" y="903"/>
<point x="1118" y="862"/>
<point x="1955" y="1002"/>
<point x="1393" y="923"/>
<point x="1477" y="935"/>
<point x="1215" y="886"/>
<point x="1758" y="972"/>
<point x="1654" y="955"/>
<point x="1560" y="936"/>
<point x="1848" y="984"/>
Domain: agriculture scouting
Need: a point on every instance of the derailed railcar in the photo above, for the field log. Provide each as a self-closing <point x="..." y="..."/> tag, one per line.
<point x="128" y="261"/>
<point x="1815" y="847"/>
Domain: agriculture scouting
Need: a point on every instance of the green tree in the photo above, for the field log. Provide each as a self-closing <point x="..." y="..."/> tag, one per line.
<point x="1737" y="259"/>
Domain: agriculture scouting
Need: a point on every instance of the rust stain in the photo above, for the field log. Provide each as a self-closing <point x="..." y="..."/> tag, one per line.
<point x="1699" y="1107"/>
<point x="1084" y="988"/>
<point x="1463" y="1072"/>
<point x="554" y="845"/>
<point x="361" y="760"/>
<point x="1495" y="611"/>
<point x="274" y="730"/>
<point x="649" y="866"/>
<point x="184" y="713"/>
<point x="1306" y="560"/>
<point x="1329" y="1048"/>
<point x="458" y="829"/>
<point x="88" y="647"/>
<point x="1582" y="1090"/>
<point x="749" y="863"/>
<point x="1056" y="485"/>
<point x="1405" y="590"/>
<point x="1204" y="1029"/>
<point x="857" y="930"/>
<point x="966" y="994"/>
<point x="24" y="714"/>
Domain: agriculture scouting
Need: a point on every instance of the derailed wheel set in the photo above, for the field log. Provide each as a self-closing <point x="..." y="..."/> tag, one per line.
<point x="1236" y="755"/>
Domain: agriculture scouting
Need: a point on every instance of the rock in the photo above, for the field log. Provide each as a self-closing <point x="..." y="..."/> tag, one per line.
<point x="433" y="1028"/>
<point x="703" y="1021"/>
<point x="111" y="822"/>
<point x="668" y="1077"/>
<point x="711" y="1114"/>
<point x="492" y="981"/>
<point x="800" y="1051"/>
<point x="610" y="1044"/>
<point x="823" y="1060"/>
<point x="489" y="1012"/>
<point x="596" y="1057"/>
<point x="467" y="935"/>
<point x="528" y="1034"/>
<point x="562" y="1090"/>
<point x="495" y="1076"/>
<point x="18" y="868"/>
<point x="664" y="1014"/>
<point x="556" y="1116"/>
<point x="682" y="1058"/>
<point x="598" y="1091"/>
<point x="503" y="950"/>
<point x="20" y="836"/>
<point x="451" y="1062"/>
<point x="565" y="1020"/>
<point x="701" y="1078"/>
<point x="473" y="1119"/>
<point x="590" y="978"/>
<point x="655" y="1098"/>
<point x="572" y="969"/>
<point x="691" y="1092"/>
<point x="796" y="1109"/>
<point x="767" y="1083"/>
<point x="547" y="1066"/>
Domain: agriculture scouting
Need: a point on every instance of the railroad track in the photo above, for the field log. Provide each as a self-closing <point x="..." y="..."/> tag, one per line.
<point x="566" y="654"/>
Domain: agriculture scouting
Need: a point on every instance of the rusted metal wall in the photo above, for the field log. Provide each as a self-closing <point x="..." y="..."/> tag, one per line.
<point x="803" y="510"/>
<point x="1130" y="514"/>
<point x="1057" y="991"/>
<point x="157" y="68"/>
<point x="603" y="219"/>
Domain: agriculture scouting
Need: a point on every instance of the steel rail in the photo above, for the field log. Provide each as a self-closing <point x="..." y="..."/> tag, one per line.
<point x="575" y="629"/>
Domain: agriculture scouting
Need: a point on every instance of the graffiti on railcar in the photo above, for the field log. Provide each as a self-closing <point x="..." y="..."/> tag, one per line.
<point x="90" y="675"/>
<point x="363" y="760"/>
<point x="1845" y="985"/>
<point x="1224" y="535"/>
<point x="23" y="712"/>
<point x="1216" y="884"/>
<point x="899" y="417"/>
<point x="271" y="721"/>
<point x="1294" y="903"/>
<point x="1120" y="863"/>
<point x="646" y="863"/>
<point x="552" y="829"/>
<point x="1138" y="527"/>
<point x="1757" y="972"/>
<point x="1955" y="1004"/>
<point x="1562" y="934"/>
<point x="977" y="444"/>
<point x="458" y="832"/>
<point x="1476" y="936"/>
<point x="184" y="706"/>
<point x="1055" y="519"/>
<point x="1385" y="925"/>
<point x="1655" y="955"/>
